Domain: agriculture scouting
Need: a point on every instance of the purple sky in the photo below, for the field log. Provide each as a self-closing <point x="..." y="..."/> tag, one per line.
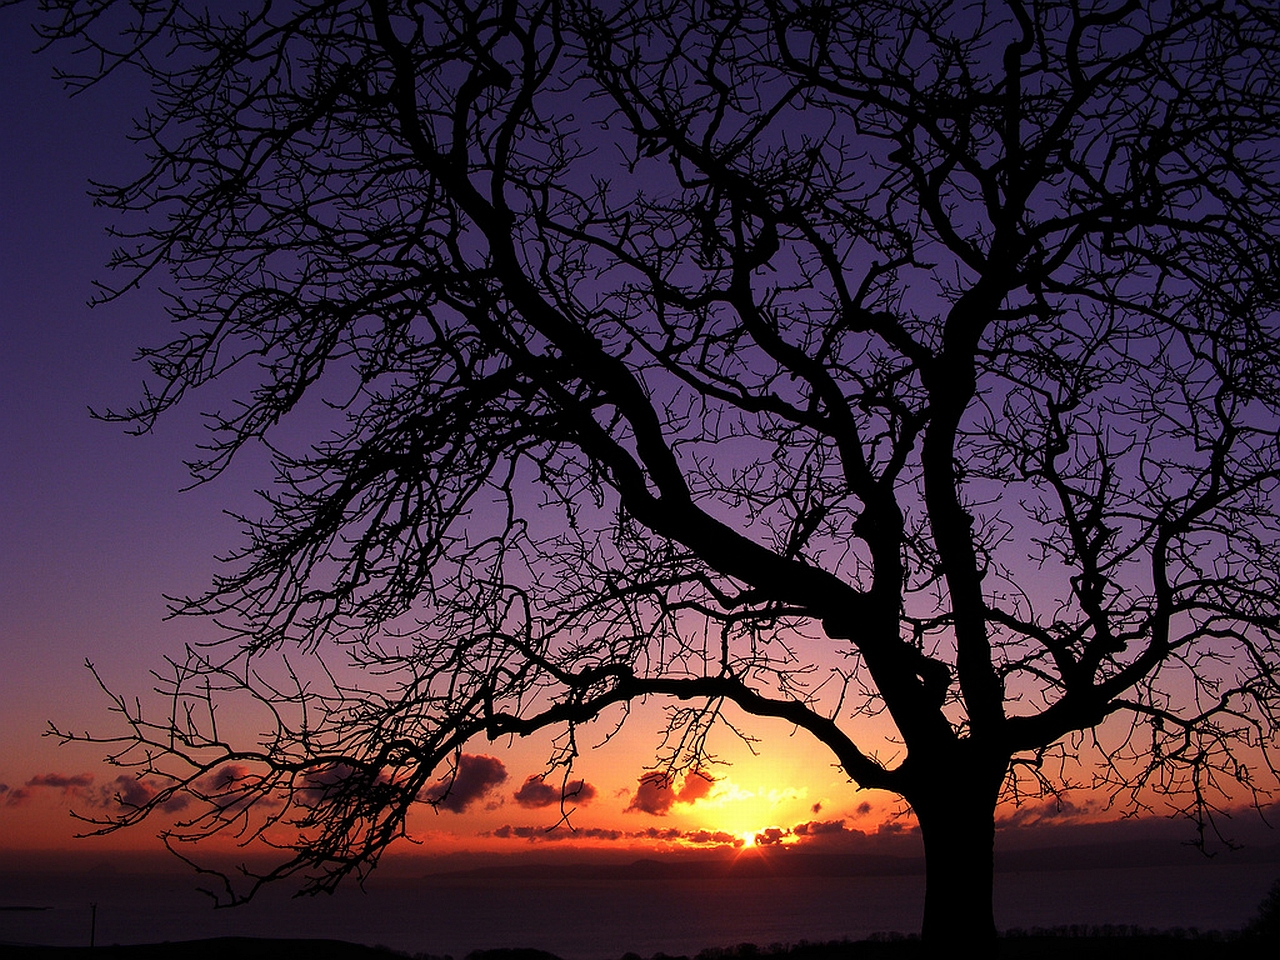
<point x="94" y="526"/>
<point x="96" y="529"/>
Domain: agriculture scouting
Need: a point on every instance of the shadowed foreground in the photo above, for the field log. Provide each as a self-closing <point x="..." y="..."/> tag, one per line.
<point x="1097" y="946"/>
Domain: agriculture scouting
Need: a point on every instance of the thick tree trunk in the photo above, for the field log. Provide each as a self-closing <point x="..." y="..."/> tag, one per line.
<point x="957" y="822"/>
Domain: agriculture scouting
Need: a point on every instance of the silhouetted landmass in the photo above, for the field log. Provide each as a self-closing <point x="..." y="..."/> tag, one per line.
<point x="1098" y="943"/>
<point x="219" y="948"/>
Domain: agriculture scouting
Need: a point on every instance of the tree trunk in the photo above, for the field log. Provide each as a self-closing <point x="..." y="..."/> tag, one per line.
<point x="956" y="813"/>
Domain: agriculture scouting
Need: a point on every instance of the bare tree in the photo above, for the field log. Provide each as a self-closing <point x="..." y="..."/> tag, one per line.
<point x="916" y="358"/>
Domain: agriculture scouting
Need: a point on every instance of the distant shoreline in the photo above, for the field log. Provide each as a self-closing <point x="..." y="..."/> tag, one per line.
<point x="1102" y="944"/>
<point x="639" y="909"/>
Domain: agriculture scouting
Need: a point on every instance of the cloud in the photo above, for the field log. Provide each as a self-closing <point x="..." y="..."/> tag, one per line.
<point x="560" y="832"/>
<point x="654" y="795"/>
<point x="696" y="786"/>
<point x="474" y="777"/>
<point x="896" y="828"/>
<point x="553" y="834"/>
<point x="235" y="787"/>
<point x="1059" y="810"/>
<point x="509" y="832"/>
<point x="317" y="785"/>
<point x="67" y="784"/>
<point x="535" y="793"/>
<point x="657" y="793"/>
<point x="129" y="791"/>
<point x="126" y="790"/>
<point x="716" y="837"/>
<point x="14" y="797"/>
<point x="771" y="836"/>
<point x="817" y="828"/>
<point x="864" y="808"/>
<point x="224" y="778"/>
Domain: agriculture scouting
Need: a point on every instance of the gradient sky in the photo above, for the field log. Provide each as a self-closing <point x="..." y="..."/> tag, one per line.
<point x="93" y="527"/>
<point x="96" y="531"/>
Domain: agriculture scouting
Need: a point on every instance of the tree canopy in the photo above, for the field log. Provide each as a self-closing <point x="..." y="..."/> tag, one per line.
<point x="828" y="359"/>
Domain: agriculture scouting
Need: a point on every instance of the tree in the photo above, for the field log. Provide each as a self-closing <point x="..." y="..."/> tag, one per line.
<point x="937" y="341"/>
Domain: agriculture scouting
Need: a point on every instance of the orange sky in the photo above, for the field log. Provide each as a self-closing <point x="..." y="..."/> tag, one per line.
<point x="787" y="793"/>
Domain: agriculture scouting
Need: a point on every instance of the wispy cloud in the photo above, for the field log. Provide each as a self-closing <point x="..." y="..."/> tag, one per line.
<point x="60" y="781"/>
<point x="125" y="790"/>
<point x="535" y="834"/>
<point x="1051" y="811"/>
<point x="15" y="796"/>
<point x="560" y="833"/>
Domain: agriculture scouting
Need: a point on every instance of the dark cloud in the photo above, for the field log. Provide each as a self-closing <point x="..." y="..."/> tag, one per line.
<point x="315" y="786"/>
<point x="896" y="828"/>
<point x="235" y="787"/>
<point x="864" y="808"/>
<point x="508" y="832"/>
<point x="717" y="837"/>
<point x="771" y="836"/>
<point x="554" y="834"/>
<point x="657" y="794"/>
<point x="474" y="777"/>
<point x="127" y="791"/>
<point x="222" y="779"/>
<point x="560" y="832"/>
<point x="816" y="828"/>
<point x="67" y="784"/>
<point x="816" y="808"/>
<point x="535" y="792"/>
<point x="654" y="795"/>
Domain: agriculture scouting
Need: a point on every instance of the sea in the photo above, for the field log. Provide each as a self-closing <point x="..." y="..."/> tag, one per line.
<point x="606" y="918"/>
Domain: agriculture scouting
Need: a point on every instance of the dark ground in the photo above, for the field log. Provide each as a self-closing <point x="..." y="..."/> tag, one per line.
<point x="1040" y="946"/>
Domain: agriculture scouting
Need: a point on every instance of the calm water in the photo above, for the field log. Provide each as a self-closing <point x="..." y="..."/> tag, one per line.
<point x="598" y="920"/>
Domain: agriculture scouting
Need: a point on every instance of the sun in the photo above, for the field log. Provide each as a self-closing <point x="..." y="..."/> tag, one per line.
<point x="748" y="839"/>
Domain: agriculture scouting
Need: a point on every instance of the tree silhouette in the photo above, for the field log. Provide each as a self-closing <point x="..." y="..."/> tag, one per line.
<point x="827" y="359"/>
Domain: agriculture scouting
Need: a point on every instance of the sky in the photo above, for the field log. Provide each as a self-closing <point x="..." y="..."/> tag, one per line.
<point x="97" y="530"/>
